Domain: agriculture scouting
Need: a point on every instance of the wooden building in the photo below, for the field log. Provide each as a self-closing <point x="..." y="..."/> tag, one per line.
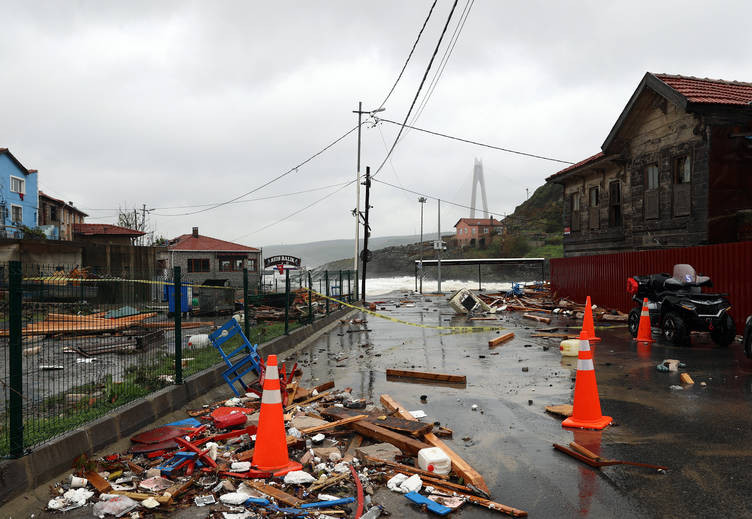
<point x="60" y="215"/>
<point x="675" y="171"/>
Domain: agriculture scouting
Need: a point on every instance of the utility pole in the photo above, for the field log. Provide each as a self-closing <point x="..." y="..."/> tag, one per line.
<point x="143" y="223"/>
<point x="357" y="197"/>
<point x="422" y="201"/>
<point x="438" y="251"/>
<point x="366" y="233"/>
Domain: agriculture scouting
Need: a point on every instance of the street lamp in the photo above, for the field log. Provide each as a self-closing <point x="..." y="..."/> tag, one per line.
<point x="360" y="113"/>
<point x="422" y="201"/>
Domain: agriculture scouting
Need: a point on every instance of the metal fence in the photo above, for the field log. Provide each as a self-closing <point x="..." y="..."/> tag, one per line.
<point x="75" y="344"/>
<point x="604" y="277"/>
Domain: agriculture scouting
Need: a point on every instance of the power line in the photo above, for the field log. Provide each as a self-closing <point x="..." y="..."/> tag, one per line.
<point x="420" y="87"/>
<point x="430" y="11"/>
<point x="343" y="186"/>
<point x="291" y="170"/>
<point x="468" y="141"/>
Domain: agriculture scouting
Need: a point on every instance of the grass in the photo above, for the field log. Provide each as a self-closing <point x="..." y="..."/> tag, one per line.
<point x="53" y="416"/>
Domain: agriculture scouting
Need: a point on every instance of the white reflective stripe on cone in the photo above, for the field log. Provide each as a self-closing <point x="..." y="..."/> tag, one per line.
<point x="275" y="396"/>
<point x="584" y="345"/>
<point x="645" y="313"/>
<point x="582" y="365"/>
<point x="272" y="373"/>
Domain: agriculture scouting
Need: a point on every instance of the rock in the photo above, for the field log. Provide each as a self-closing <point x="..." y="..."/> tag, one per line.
<point x="305" y="422"/>
<point x="384" y="451"/>
<point x="324" y="452"/>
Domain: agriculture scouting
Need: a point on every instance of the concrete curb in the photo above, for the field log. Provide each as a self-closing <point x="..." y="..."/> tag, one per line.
<point x="57" y="456"/>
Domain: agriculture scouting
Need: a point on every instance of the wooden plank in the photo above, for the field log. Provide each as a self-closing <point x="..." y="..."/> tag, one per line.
<point x="355" y="442"/>
<point x="459" y="466"/>
<point x="324" y="386"/>
<point x="501" y="338"/>
<point x="140" y="496"/>
<point x="306" y="402"/>
<point x="276" y="493"/>
<point x="331" y="425"/>
<point x="403" y="468"/>
<point x="404" y="443"/>
<point x="538" y="318"/>
<point x="98" y="482"/>
<point x="461" y="379"/>
<point x="411" y="427"/>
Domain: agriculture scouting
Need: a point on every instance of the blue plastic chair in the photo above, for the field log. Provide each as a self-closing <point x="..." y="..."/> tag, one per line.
<point x="240" y="361"/>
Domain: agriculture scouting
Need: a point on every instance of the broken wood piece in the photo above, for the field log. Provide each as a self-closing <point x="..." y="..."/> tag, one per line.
<point x="324" y="386"/>
<point x="403" y="468"/>
<point x="459" y="466"/>
<point x="276" y="493"/>
<point x="333" y="480"/>
<point x="563" y="410"/>
<point x="98" y="482"/>
<point x="306" y="402"/>
<point x="537" y="318"/>
<point x="457" y="379"/>
<point x="481" y="501"/>
<point x="584" y="451"/>
<point x="601" y="462"/>
<point x="501" y="338"/>
<point x="331" y="425"/>
<point x="411" y="427"/>
<point x="404" y="443"/>
<point x="355" y="442"/>
<point x="686" y="379"/>
<point x="140" y="496"/>
<point x="443" y="432"/>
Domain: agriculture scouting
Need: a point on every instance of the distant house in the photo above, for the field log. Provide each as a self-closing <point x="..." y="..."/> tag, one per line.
<point x="105" y="233"/>
<point x="477" y="232"/>
<point x="202" y="257"/>
<point x="59" y="217"/>
<point x="18" y="195"/>
<point x="673" y="172"/>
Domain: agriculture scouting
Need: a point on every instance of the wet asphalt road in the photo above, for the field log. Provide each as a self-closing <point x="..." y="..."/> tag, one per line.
<point x="701" y="433"/>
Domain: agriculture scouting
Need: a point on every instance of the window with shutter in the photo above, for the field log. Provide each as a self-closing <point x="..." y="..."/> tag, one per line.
<point x="574" y="212"/>
<point x="594" y="209"/>
<point x="682" y="186"/>
<point x="652" y="193"/>
<point x="614" y="204"/>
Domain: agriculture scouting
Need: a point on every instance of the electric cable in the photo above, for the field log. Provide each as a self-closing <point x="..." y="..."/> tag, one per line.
<point x="420" y="87"/>
<point x="430" y="11"/>
<point x="468" y="141"/>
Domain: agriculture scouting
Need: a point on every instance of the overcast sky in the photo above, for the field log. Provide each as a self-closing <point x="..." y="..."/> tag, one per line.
<point x="119" y="104"/>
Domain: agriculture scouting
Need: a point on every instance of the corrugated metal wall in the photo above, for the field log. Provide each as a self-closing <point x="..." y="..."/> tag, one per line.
<point x="604" y="277"/>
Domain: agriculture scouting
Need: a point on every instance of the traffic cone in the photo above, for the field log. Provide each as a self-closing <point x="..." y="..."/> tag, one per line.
<point x="270" y="452"/>
<point x="588" y="329"/>
<point x="587" y="405"/>
<point x="644" y="331"/>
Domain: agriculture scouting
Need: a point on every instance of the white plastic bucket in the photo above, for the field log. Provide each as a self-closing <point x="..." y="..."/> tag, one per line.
<point x="435" y="460"/>
<point x="198" y="341"/>
<point x="569" y="347"/>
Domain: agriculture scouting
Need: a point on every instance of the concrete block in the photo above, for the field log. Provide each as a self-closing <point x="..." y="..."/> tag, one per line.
<point x="56" y="457"/>
<point x="324" y="452"/>
<point x="384" y="451"/>
<point x="135" y="416"/>
<point x="13" y="475"/>
<point x="304" y="422"/>
<point x="161" y="402"/>
<point x="103" y="432"/>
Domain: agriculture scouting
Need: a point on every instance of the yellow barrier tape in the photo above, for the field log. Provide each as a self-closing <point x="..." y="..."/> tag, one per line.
<point x="451" y="329"/>
<point x="52" y="279"/>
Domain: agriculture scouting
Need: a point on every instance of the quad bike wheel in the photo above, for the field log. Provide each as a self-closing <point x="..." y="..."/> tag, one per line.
<point x="674" y="329"/>
<point x="724" y="332"/>
<point x="633" y="323"/>
<point x="748" y="346"/>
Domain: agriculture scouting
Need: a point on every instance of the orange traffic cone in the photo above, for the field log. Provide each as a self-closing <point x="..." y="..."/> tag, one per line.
<point x="270" y="453"/>
<point x="588" y="329"/>
<point x="644" y="332"/>
<point x="587" y="405"/>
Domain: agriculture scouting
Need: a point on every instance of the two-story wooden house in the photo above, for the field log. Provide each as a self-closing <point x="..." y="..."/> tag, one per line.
<point x="675" y="171"/>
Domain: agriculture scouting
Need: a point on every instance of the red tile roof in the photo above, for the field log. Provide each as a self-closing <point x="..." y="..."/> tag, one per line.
<point x="592" y="158"/>
<point x="98" y="229"/>
<point x="188" y="242"/>
<point x="709" y="91"/>
<point x="478" y="221"/>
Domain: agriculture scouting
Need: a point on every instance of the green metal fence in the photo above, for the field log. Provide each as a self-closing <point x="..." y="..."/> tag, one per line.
<point x="75" y="344"/>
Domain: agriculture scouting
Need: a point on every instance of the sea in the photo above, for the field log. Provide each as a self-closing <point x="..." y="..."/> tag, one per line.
<point x="381" y="286"/>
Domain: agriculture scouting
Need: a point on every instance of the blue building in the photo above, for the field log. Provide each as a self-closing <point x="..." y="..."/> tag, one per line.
<point x="18" y="195"/>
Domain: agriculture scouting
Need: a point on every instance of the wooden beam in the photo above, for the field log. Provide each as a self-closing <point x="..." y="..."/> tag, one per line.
<point x="501" y="338"/>
<point x="276" y="493"/>
<point x="404" y="443"/>
<point x="458" y="379"/>
<point x="538" y="318"/>
<point x="330" y="425"/>
<point x="459" y="466"/>
<point x="403" y="468"/>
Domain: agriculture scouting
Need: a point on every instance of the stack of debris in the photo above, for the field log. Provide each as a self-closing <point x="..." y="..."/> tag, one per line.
<point x="345" y="448"/>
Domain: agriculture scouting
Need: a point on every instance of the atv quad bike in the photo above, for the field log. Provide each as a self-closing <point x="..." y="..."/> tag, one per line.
<point x="678" y="306"/>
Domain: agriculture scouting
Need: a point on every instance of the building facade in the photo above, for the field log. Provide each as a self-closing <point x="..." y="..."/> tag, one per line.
<point x="477" y="232"/>
<point x="58" y="218"/>
<point x="673" y="172"/>
<point x="18" y="196"/>
<point x="202" y="257"/>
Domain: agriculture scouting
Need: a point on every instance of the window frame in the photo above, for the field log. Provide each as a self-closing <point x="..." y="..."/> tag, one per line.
<point x="23" y="184"/>
<point x="615" y="216"/>
<point x="675" y="168"/>
<point x="192" y="262"/>
<point x="20" y="208"/>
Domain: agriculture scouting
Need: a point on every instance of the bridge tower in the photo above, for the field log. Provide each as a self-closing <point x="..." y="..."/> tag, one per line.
<point x="478" y="179"/>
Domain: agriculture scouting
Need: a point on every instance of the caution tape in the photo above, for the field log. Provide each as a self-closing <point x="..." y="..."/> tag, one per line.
<point x="51" y="280"/>
<point x="451" y="329"/>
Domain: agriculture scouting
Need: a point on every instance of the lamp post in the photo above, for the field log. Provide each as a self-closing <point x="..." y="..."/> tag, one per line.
<point x="422" y="201"/>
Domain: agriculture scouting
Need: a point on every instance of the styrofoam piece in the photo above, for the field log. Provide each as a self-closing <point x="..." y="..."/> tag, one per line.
<point x="298" y="477"/>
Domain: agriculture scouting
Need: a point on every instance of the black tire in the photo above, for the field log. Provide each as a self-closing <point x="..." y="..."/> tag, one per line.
<point x="748" y="344"/>
<point x="724" y="332"/>
<point x="633" y="323"/>
<point x="674" y="329"/>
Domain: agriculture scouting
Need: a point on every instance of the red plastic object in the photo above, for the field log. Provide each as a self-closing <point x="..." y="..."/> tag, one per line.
<point x="202" y="455"/>
<point x="359" y="488"/>
<point x="141" y="448"/>
<point x="155" y="454"/>
<point x="160" y="434"/>
<point x="632" y="286"/>
<point x="229" y="420"/>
